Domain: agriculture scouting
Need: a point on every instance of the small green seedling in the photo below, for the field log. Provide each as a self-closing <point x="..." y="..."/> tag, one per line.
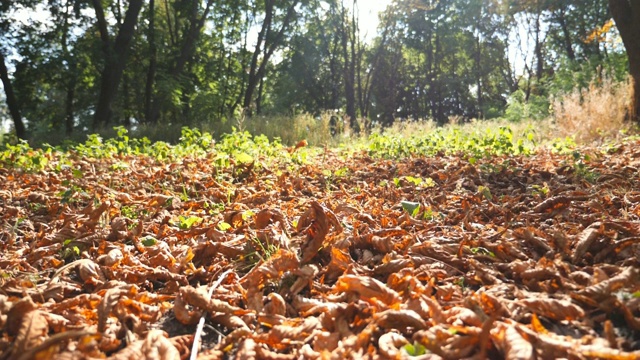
<point x="186" y="223"/>
<point x="415" y="349"/>
<point x="224" y="226"/>
<point x="412" y="208"/>
<point x="149" y="241"/>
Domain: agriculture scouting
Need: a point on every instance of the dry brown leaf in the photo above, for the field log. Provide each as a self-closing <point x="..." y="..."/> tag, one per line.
<point x="514" y="345"/>
<point x="109" y="301"/>
<point x="390" y="344"/>
<point x="584" y="242"/>
<point x="154" y="347"/>
<point x="316" y="223"/>
<point x="553" y="204"/>
<point x="401" y="320"/>
<point x="367" y="288"/>
<point x="629" y="276"/>
<point x="554" y="309"/>
<point x="33" y="331"/>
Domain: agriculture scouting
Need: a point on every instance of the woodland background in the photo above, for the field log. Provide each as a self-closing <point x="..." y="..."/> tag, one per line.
<point x="162" y="64"/>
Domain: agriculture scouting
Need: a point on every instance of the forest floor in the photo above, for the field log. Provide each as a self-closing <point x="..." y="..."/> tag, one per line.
<point x="335" y="257"/>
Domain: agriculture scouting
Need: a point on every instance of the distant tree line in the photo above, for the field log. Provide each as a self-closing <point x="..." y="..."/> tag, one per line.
<point x="90" y="64"/>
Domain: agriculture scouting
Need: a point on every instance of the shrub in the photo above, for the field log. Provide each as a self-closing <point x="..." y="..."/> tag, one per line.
<point x="593" y="114"/>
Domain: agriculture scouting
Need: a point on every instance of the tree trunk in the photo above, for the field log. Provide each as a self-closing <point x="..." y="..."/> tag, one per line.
<point x="115" y="59"/>
<point x="12" y="101"/>
<point x="71" y="93"/>
<point x="257" y="69"/>
<point x="478" y="66"/>
<point x="568" y="46"/>
<point x="349" y="72"/>
<point x="188" y="46"/>
<point x="72" y="79"/>
<point x="539" y="43"/>
<point x="626" y="15"/>
<point x="151" y="72"/>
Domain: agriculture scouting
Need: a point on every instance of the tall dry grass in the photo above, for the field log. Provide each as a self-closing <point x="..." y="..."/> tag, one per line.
<point x="593" y="115"/>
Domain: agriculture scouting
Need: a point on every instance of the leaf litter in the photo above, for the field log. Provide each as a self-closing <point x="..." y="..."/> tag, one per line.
<point x="516" y="257"/>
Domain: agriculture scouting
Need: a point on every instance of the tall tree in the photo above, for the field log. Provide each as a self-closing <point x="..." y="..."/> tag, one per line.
<point x="349" y="37"/>
<point x="153" y="61"/>
<point x="626" y="14"/>
<point x="270" y="37"/>
<point x="189" y="16"/>
<point x="115" y="58"/>
<point x="12" y="101"/>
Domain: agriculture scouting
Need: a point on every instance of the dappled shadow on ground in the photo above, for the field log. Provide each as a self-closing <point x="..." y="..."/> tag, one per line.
<point x="511" y="257"/>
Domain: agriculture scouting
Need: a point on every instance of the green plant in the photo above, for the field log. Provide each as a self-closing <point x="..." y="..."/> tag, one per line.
<point x="519" y="107"/>
<point x="581" y="168"/>
<point x="485" y="192"/>
<point x="72" y="194"/>
<point x="186" y="222"/>
<point x="224" y="226"/>
<point x="540" y="190"/>
<point x="129" y="212"/>
<point x="70" y="251"/>
<point x="149" y="241"/>
<point x="413" y="208"/>
<point x="213" y="207"/>
<point x="482" y="251"/>
<point x="21" y="155"/>
<point x="415" y="349"/>
<point x="461" y="282"/>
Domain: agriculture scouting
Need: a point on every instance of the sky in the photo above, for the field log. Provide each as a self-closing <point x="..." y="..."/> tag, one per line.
<point x="368" y="13"/>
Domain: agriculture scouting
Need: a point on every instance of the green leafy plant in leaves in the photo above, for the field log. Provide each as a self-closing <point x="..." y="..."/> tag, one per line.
<point x="415" y="349"/>
<point x="186" y="222"/>
<point x="129" y="212"/>
<point x="485" y="192"/>
<point x="412" y="208"/>
<point x="149" y="241"/>
<point x="452" y="140"/>
<point x="213" y="207"/>
<point x="224" y="226"/>
<point x="581" y="168"/>
<point x="70" y="251"/>
<point x="540" y="190"/>
<point x="72" y="194"/>
<point x="21" y="155"/>
<point x="482" y="251"/>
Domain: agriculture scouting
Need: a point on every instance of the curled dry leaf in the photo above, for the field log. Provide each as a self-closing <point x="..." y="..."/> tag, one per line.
<point x="401" y="320"/>
<point x="109" y="301"/>
<point x="223" y="313"/>
<point x="275" y="305"/>
<point x="267" y="217"/>
<point x="390" y="344"/>
<point x="274" y="268"/>
<point x="583" y="243"/>
<point x="32" y="332"/>
<point x="17" y="312"/>
<point x="553" y="204"/>
<point x="316" y="223"/>
<point x="89" y="271"/>
<point x="367" y="288"/>
<point x="154" y="347"/>
<point x="630" y="276"/>
<point x="513" y="345"/>
<point x="554" y="309"/>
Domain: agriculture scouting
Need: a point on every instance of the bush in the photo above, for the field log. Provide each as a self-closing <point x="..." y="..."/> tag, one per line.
<point x="595" y="113"/>
<point x="519" y="108"/>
